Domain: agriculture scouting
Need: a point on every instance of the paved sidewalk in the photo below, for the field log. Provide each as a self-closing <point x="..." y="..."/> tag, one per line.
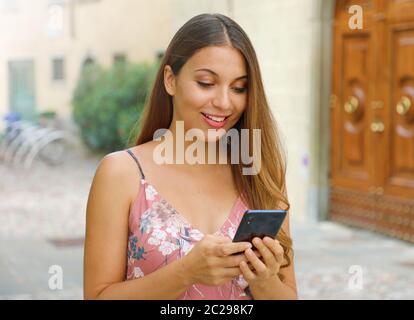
<point x="328" y="255"/>
<point x="42" y="223"/>
<point x="25" y="266"/>
<point x="46" y="201"/>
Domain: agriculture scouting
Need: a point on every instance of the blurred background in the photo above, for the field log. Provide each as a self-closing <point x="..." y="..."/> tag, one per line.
<point x="339" y="76"/>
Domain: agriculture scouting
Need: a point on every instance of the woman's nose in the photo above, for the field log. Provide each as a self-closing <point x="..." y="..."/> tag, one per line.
<point x="222" y="99"/>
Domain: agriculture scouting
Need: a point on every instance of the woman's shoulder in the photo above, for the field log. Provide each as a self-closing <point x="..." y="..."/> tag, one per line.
<point x="144" y="150"/>
<point x="116" y="164"/>
<point x="118" y="171"/>
<point x="144" y="155"/>
<point x="121" y="162"/>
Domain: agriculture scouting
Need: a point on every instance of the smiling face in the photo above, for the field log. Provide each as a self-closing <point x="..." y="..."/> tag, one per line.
<point x="210" y="91"/>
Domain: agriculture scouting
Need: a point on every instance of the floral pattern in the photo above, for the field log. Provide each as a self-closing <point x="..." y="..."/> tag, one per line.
<point x="158" y="234"/>
<point x="138" y="272"/>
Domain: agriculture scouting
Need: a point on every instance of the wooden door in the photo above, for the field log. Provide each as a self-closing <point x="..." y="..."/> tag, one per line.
<point x="372" y="118"/>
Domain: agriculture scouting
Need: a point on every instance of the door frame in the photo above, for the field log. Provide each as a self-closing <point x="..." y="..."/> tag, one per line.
<point x="321" y="88"/>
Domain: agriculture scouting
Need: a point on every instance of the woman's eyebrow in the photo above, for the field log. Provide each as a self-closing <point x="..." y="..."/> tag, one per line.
<point x="212" y="72"/>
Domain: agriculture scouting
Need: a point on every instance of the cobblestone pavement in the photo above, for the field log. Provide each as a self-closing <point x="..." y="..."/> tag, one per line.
<point x="42" y="223"/>
<point x="46" y="201"/>
<point x="328" y="255"/>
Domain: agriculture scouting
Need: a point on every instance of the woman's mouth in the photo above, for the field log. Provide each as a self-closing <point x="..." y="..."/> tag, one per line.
<point x="214" y="121"/>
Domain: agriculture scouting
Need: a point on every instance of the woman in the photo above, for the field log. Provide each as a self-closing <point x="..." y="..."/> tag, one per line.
<point x="164" y="231"/>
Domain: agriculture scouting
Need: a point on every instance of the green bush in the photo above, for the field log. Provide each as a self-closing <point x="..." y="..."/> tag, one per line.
<point x="107" y="104"/>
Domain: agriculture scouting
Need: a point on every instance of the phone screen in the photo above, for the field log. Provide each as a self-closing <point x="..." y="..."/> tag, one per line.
<point x="259" y="223"/>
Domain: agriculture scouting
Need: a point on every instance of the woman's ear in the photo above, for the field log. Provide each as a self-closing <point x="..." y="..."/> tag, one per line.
<point x="169" y="80"/>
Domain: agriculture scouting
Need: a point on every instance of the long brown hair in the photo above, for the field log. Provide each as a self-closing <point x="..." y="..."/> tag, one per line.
<point x="265" y="190"/>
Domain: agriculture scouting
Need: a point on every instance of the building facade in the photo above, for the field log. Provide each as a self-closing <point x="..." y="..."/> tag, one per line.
<point x="341" y="96"/>
<point x="46" y="42"/>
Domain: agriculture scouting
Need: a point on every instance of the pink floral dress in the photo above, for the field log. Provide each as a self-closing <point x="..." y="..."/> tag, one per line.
<point x="159" y="234"/>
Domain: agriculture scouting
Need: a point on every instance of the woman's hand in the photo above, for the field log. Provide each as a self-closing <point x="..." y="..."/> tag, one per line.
<point x="267" y="266"/>
<point x="211" y="261"/>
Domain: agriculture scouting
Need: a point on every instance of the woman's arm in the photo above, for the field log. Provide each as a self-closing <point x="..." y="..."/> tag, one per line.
<point x="105" y="254"/>
<point x="167" y="283"/>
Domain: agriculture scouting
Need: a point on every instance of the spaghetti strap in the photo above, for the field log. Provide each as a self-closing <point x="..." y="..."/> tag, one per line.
<point x="136" y="160"/>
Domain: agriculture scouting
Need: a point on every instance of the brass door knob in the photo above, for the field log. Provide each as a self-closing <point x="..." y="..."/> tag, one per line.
<point x="376" y="190"/>
<point x="377" y="126"/>
<point x="351" y="105"/>
<point x="380" y="190"/>
<point x="403" y="106"/>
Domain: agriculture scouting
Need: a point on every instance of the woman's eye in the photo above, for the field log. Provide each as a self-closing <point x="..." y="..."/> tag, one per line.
<point x="240" y="90"/>
<point x="236" y="89"/>
<point x="204" y="84"/>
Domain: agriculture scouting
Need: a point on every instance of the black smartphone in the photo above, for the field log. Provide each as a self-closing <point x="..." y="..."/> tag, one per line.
<point x="259" y="223"/>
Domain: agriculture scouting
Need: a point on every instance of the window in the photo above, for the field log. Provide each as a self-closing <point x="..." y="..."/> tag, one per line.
<point x="89" y="60"/>
<point x="119" y="58"/>
<point x="58" y="69"/>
